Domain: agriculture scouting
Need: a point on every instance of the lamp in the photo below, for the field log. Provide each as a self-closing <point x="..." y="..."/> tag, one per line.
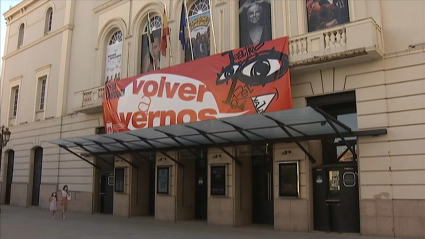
<point x="4" y="139"/>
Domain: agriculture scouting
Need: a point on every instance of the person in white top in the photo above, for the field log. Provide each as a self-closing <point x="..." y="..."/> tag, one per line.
<point x="64" y="200"/>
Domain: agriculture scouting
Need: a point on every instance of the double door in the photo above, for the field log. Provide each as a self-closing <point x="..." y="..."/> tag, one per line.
<point x="336" y="198"/>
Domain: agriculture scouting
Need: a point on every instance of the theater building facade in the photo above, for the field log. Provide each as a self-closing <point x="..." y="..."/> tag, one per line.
<point x="304" y="115"/>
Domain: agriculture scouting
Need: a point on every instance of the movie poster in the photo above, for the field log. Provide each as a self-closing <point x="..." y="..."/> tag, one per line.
<point x="147" y="65"/>
<point x="254" y="22"/>
<point x="113" y="62"/>
<point x="199" y="26"/>
<point x="322" y="14"/>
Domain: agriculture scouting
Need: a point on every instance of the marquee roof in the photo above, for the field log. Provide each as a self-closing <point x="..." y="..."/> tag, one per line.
<point x="281" y="126"/>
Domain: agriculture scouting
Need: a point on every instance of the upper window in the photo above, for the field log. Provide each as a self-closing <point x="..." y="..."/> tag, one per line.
<point x="254" y="22"/>
<point x="14" y="101"/>
<point x="199" y="19"/>
<point x="48" y="21"/>
<point x="113" y="58"/>
<point x="41" y="93"/>
<point x="323" y="14"/>
<point x="21" y="35"/>
<point x="151" y="44"/>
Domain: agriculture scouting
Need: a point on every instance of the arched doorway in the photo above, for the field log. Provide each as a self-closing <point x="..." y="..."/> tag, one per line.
<point x="36" y="180"/>
<point x="9" y="175"/>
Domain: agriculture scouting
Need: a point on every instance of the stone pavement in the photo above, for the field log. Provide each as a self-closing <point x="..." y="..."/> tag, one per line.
<point x="34" y="223"/>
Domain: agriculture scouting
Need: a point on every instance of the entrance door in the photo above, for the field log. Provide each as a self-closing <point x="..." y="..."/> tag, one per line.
<point x="36" y="181"/>
<point x="262" y="190"/>
<point x="201" y="189"/>
<point x="9" y="176"/>
<point x="106" y="195"/>
<point x="336" y="198"/>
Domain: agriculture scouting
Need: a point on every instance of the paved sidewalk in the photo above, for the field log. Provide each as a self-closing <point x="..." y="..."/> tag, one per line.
<point x="34" y="223"/>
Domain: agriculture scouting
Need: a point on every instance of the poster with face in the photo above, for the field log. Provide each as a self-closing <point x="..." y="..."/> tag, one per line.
<point x="254" y="22"/>
<point x="322" y="14"/>
<point x="147" y="66"/>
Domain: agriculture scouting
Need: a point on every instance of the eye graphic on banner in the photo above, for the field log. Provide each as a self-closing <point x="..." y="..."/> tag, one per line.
<point x="249" y="80"/>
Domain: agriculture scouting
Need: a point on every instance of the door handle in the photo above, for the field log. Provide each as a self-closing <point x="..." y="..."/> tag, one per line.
<point x="269" y="187"/>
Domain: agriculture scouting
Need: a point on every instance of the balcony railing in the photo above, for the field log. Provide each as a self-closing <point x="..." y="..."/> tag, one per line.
<point x="354" y="42"/>
<point x="359" y="41"/>
<point x="89" y="101"/>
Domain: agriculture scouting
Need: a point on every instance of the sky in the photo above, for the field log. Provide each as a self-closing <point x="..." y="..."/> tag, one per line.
<point x="4" y="6"/>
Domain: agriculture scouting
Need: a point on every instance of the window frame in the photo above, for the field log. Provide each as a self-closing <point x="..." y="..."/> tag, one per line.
<point x="41" y="93"/>
<point x="286" y="194"/>
<point x="21" y="34"/>
<point x="48" y="21"/>
<point x="14" y="101"/>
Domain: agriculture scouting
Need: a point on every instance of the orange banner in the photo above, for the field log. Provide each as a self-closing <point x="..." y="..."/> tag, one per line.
<point x="249" y="80"/>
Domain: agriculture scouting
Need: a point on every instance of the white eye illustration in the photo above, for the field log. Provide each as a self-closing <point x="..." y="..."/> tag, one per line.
<point x="228" y="72"/>
<point x="262" y="68"/>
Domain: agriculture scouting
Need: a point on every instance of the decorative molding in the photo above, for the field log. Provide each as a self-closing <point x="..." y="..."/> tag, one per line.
<point x="43" y="68"/>
<point x="105" y="5"/>
<point x="220" y="2"/>
<point x="44" y="38"/>
<point x="22" y="9"/>
<point x="15" y="81"/>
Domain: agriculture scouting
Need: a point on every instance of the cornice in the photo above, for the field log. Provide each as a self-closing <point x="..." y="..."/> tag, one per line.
<point x="21" y="8"/>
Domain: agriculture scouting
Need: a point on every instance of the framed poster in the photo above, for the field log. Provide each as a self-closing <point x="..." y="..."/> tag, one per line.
<point x="289" y="185"/>
<point x="163" y="180"/>
<point x="119" y="180"/>
<point x="254" y="22"/>
<point x="322" y="14"/>
<point x="218" y="180"/>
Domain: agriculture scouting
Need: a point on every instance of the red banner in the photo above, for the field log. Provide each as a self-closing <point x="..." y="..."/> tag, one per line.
<point x="249" y="80"/>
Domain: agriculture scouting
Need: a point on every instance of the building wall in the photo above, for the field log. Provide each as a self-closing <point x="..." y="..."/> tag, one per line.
<point x="390" y="93"/>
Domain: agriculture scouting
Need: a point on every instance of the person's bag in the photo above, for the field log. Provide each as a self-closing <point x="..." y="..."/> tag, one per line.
<point x="68" y="196"/>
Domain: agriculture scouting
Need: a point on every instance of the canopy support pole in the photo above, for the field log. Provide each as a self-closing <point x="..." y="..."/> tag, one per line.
<point x="109" y="151"/>
<point x="241" y="131"/>
<point x="331" y="121"/>
<point x="153" y="146"/>
<point x="173" y="137"/>
<point x="66" y="148"/>
<point x="90" y="152"/>
<point x="212" y="141"/>
<point x="283" y="127"/>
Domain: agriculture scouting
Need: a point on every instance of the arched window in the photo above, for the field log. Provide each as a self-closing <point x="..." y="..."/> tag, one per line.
<point x="113" y="57"/>
<point x="199" y="30"/>
<point x="151" y="47"/>
<point x="254" y="22"/>
<point x="48" y="21"/>
<point x="21" y="35"/>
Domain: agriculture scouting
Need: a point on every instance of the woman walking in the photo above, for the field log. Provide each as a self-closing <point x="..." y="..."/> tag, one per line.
<point x="64" y="201"/>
